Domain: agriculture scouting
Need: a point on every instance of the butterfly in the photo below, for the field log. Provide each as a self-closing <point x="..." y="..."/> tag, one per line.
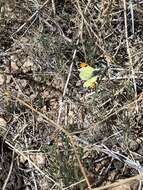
<point x="88" y="75"/>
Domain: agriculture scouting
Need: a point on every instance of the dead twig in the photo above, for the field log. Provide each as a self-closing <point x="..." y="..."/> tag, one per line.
<point x="120" y="182"/>
<point x="129" y="52"/>
<point x="9" y="173"/>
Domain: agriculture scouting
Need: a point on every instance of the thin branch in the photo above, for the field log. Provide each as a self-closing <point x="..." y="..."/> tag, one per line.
<point x="120" y="182"/>
<point x="67" y="82"/>
<point x="115" y="155"/>
<point x="74" y="184"/>
<point x="30" y="166"/>
<point x="53" y="7"/>
<point x="128" y="51"/>
<point x="9" y="173"/>
<point x="132" y="16"/>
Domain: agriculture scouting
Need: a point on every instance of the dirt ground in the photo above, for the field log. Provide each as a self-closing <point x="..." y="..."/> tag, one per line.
<point x="54" y="133"/>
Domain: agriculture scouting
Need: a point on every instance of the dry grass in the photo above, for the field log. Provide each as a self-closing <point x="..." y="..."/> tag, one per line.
<point x="63" y="136"/>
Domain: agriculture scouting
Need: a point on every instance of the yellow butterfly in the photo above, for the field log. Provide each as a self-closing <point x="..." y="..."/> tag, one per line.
<point x="87" y="74"/>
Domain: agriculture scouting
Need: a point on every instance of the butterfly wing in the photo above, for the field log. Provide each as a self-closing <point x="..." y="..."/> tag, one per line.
<point x="90" y="83"/>
<point x="86" y="73"/>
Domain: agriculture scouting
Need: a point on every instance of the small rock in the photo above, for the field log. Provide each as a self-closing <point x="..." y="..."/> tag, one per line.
<point x="122" y="187"/>
<point x="38" y="158"/>
<point x="14" y="66"/>
<point x="22" y="159"/>
<point x="28" y="63"/>
<point x="2" y="79"/>
<point x="24" y="40"/>
<point x="134" y="145"/>
<point x="2" y="122"/>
